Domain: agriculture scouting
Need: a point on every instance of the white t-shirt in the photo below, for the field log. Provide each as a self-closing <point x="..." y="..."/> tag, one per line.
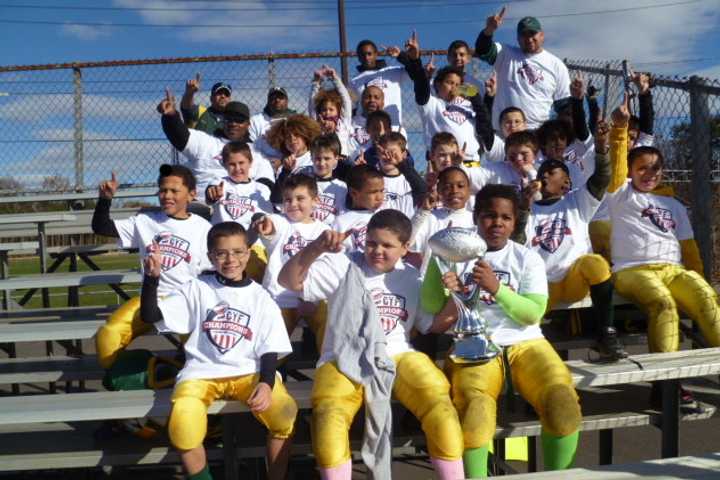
<point x="529" y="82"/>
<point x="389" y="80"/>
<point x="438" y="219"/>
<point x="398" y="194"/>
<point x="494" y="173"/>
<point x="396" y="295"/>
<point x="523" y="271"/>
<point x="182" y="243"/>
<point x="360" y="138"/>
<point x="241" y="201"/>
<point x="646" y="228"/>
<point x="354" y="221"/>
<point x="230" y="327"/>
<point x="288" y="240"/>
<point x="204" y="153"/>
<point x="331" y="200"/>
<point x="497" y="151"/>
<point x="456" y="117"/>
<point x="559" y="232"/>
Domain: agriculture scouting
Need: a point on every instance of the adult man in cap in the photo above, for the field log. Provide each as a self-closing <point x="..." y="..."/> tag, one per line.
<point x="276" y="108"/>
<point x="203" y="151"/>
<point x="529" y="77"/>
<point x="209" y="119"/>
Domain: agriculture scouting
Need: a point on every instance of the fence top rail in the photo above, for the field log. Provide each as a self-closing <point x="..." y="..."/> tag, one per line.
<point x="213" y="58"/>
<point x="72" y="196"/>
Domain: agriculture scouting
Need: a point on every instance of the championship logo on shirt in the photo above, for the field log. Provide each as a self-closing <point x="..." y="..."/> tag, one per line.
<point x="324" y="207"/>
<point x="294" y="244"/>
<point x="379" y="82"/>
<point x="358" y="236"/>
<point x="457" y="111"/>
<point x="550" y="234"/>
<point x="173" y="249"/>
<point x="391" y="196"/>
<point x="225" y="326"/>
<point x="660" y="217"/>
<point x="469" y="286"/>
<point x="237" y="206"/>
<point x="390" y="308"/>
<point x="361" y="135"/>
<point x="532" y="76"/>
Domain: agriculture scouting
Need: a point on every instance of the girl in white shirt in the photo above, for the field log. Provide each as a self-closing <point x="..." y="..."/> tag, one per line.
<point x="292" y="137"/>
<point x="332" y="108"/>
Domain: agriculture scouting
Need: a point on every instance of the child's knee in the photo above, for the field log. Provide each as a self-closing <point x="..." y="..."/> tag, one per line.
<point x="188" y="423"/>
<point x="479" y="420"/>
<point x="560" y="412"/>
<point x="594" y="268"/>
<point x="280" y="420"/>
<point x="120" y="329"/>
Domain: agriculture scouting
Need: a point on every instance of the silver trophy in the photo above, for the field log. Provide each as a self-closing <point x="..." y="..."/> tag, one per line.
<point x="459" y="245"/>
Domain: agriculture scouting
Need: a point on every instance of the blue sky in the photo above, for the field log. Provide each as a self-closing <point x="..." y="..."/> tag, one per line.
<point x="667" y="36"/>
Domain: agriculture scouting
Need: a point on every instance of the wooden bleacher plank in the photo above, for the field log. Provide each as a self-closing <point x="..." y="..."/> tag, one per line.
<point x="71" y="279"/>
<point x="49" y="331"/>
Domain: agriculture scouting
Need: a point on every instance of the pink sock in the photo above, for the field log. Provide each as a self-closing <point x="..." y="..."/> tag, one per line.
<point x="449" y="469"/>
<point x="341" y="472"/>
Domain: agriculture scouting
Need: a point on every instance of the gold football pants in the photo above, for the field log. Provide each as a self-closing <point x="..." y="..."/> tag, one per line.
<point x="419" y="385"/>
<point x="659" y="290"/>
<point x="191" y="399"/>
<point x="316" y="322"/>
<point x="588" y="270"/>
<point x="538" y="374"/>
<point x="120" y="329"/>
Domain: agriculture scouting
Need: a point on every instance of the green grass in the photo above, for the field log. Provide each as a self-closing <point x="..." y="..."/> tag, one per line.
<point x="89" y="296"/>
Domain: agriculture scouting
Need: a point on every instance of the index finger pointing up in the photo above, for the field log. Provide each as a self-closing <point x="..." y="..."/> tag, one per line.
<point x="502" y="12"/>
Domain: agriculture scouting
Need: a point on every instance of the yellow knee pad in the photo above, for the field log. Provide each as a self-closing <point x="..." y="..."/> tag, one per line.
<point x="594" y="268"/>
<point x="560" y="411"/>
<point x="120" y="329"/>
<point x="330" y="433"/>
<point x="479" y="420"/>
<point x="188" y="423"/>
<point x="600" y="231"/>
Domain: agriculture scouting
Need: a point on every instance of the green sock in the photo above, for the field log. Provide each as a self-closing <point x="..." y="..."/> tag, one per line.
<point x="559" y="452"/>
<point x="203" y="474"/>
<point x="475" y="461"/>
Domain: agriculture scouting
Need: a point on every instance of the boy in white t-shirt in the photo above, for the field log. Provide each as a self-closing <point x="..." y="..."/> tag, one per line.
<point x="557" y="229"/>
<point x="317" y="271"/>
<point x="235" y="337"/>
<point x="237" y="198"/>
<point x="178" y="235"/>
<point x="366" y="186"/>
<point x="512" y="301"/>
<point x="512" y="119"/>
<point x="404" y="187"/>
<point x="284" y="235"/>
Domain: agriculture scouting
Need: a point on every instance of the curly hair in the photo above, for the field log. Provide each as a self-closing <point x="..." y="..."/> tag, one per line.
<point x="325" y="96"/>
<point x="300" y="125"/>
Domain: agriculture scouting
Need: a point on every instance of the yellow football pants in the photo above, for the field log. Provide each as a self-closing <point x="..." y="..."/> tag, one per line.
<point x="191" y="399"/>
<point x="316" y="322"/>
<point x="538" y="374"/>
<point x="257" y="262"/>
<point x="587" y="270"/>
<point x="659" y="290"/>
<point x="419" y="385"/>
<point x="120" y="329"/>
<point x="600" y="231"/>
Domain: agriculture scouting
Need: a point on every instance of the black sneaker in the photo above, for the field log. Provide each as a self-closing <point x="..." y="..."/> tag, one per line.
<point x="609" y="345"/>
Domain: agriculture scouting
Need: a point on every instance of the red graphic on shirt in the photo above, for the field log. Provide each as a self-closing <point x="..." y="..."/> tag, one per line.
<point x="527" y="72"/>
<point x="469" y="286"/>
<point x="294" y="244"/>
<point x="660" y="217"/>
<point x="551" y="233"/>
<point x="458" y="111"/>
<point x="225" y="326"/>
<point x="390" y="308"/>
<point x="173" y="249"/>
<point x="237" y="206"/>
<point x="361" y="135"/>
<point x="358" y="236"/>
<point x="325" y="207"/>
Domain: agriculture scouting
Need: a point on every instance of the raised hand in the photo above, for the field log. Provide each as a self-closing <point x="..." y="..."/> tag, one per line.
<point x="602" y="137"/>
<point x="430" y="201"/>
<point x="621" y="115"/>
<point x="215" y="192"/>
<point x="193" y="85"/>
<point x="260" y="398"/>
<point x="153" y="261"/>
<point x="643" y="81"/>
<point x="577" y="86"/>
<point x="485" y="277"/>
<point x="289" y="162"/>
<point x="460" y="156"/>
<point x="493" y="22"/>
<point x="330" y="241"/>
<point x="264" y="226"/>
<point x="108" y="188"/>
<point x="412" y="46"/>
<point x="430" y="68"/>
<point x="491" y="85"/>
<point x="531" y="193"/>
<point x="167" y="104"/>
<point x="360" y="160"/>
<point x="392" y="51"/>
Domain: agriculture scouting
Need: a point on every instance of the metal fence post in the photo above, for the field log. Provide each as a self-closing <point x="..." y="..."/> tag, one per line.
<point x="607" y="90"/>
<point x="700" y="135"/>
<point x="272" y="80"/>
<point x="78" y="129"/>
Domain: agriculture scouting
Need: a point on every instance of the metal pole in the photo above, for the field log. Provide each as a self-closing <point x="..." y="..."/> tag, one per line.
<point x="607" y="92"/>
<point x="700" y="135"/>
<point x="343" y="41"/>
<point x="78" y="127"/>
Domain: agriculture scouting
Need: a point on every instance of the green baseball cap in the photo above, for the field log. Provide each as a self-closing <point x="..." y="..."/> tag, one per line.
<point x="529" y="24"/>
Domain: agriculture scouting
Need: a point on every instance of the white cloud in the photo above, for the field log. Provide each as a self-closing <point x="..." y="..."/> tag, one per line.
<point x="85" y="32"/>
<point x="32" y="108"/>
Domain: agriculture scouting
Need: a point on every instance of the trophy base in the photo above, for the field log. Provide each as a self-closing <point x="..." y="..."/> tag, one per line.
<point x="474" y="349"/>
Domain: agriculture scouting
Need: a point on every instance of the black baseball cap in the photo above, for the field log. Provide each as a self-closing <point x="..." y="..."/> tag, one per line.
<point x="221" y="86"/>
<point x="237" y="111"/>
<point x="529" y="24"/>
<point x="277" y="91"/>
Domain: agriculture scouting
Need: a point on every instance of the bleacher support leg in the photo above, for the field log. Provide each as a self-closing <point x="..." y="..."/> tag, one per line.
<point x="229" y="426"/>
<point x="670" y="418"/>
<point x="606" y="446"/>
<point x="532" y="454"/>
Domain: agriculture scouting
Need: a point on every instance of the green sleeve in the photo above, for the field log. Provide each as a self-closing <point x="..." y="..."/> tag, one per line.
<point x="433" y="295"/>
<point x="525" y="309"/>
